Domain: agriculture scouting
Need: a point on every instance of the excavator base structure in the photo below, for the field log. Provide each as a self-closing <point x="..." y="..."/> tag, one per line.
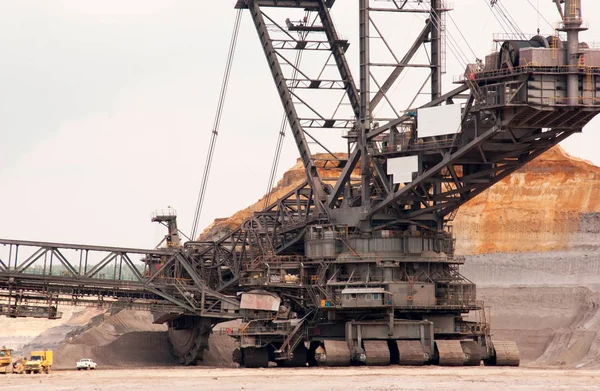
<point x="356" y="267"/>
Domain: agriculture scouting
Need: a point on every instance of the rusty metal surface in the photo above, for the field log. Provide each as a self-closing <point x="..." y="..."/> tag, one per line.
<point x="450" y="352"/>
<point x="377" y="352"/>
<point x="473" y="353"/>
<point x="507" y="353"/>
<point x="258" y="300"/>
<point x="411" y="353"/>
<point x="337" y="353"/>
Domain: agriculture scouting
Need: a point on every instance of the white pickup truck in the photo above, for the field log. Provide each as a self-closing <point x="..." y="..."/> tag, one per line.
<point x="86" y="363"/>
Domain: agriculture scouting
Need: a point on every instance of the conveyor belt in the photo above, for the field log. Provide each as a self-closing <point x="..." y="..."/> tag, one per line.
<point x="450" y="352"/>
<point x="411" y="353"/>
<point x="377" y="352"/>
<point x="507" y="353"/>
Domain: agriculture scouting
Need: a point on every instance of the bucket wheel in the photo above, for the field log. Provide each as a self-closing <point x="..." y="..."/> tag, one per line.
<point x="188" y="339"/>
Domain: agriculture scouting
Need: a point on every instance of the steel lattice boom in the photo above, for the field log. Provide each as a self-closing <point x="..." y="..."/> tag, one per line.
<point x="358" y="269"/>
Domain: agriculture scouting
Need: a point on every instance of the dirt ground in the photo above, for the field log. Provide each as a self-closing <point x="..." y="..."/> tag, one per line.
<point x="313" y="379"/>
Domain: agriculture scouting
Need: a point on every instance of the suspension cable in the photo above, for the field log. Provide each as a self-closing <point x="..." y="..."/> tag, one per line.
<point x="540" y="15"/>
<point x="451" y="42"/>
<point x="216" y="124"/>
<point x="510" y="20"/>
<point x="495" y="15"/>
<point x="284" y="122"/>
<point x="462" y="35"/>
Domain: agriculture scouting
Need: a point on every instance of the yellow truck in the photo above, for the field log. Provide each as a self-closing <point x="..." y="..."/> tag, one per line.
<point x="39" y="362"/>
<point x="6" y="364"/>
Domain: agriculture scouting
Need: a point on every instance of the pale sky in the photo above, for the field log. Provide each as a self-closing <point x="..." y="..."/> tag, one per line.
<point x="106" y="110"/>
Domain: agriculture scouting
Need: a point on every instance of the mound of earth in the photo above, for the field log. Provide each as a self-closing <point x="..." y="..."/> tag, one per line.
<point x="531" y="243"/>
<point x="124" y="338"/>
<point x="553" y="326"/>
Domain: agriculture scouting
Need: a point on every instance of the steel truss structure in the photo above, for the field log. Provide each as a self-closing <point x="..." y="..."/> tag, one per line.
<point x="115" y="280"/>
<point x="366" y="235"/>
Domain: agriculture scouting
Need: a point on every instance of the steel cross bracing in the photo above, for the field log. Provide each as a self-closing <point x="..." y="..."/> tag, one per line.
<point x="277" y="230"/>
<point x="200" y="278"/>
<point x="322" y="36"/>
<point x="163" y="280"/>
<point x="491" y="142"/>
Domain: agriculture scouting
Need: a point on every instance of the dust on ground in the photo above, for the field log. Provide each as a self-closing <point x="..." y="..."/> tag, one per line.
<point x="313" y="379"/>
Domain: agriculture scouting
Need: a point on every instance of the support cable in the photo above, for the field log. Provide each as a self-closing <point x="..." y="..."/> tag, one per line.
<point x="540" y="15"/>
<point x="284" y="124"/>
<point x="502" y="26"/>
<point x="452" y="43"/>
<point x="216" y="124"/>
<point x="510" y="20"/>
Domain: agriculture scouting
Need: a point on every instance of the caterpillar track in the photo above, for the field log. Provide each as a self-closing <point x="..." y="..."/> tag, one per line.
<point x="334" y="353"/>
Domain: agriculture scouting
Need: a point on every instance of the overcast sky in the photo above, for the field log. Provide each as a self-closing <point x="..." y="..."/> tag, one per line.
<point x="106" y="110"/>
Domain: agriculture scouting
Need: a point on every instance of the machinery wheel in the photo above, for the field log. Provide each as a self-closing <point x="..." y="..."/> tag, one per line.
<point x="188" y="344"/>
<point x="473" y="353"/>
<point x="506" y="353"/>
<point x="299" y="359"/>
<point x="256" y="357"/>
<point x="411" y="353"/>
<point x="377" y="352"/>
<point x="449" y="353"/>
<point x="335" y="354"/>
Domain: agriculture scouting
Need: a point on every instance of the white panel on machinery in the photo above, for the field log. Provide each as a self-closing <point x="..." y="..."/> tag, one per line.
<point x="439" y="120"/>
<point x="402" y="168"/>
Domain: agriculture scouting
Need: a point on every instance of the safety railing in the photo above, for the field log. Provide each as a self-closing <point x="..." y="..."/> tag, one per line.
<point x="528" y="68"/>
<point x="418" y="145"/>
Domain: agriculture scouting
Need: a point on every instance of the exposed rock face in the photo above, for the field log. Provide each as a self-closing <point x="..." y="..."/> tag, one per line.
<point x="550" y="204"/>
<point x="292" y="178"/>
<point x="531" y="243"/>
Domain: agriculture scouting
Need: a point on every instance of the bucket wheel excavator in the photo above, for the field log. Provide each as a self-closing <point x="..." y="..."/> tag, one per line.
<point x="356" y="265"/>
<point x="361" y="269"/>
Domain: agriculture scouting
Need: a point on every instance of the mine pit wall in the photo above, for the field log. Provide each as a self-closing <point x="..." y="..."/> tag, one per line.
<point x="548" y="302"/>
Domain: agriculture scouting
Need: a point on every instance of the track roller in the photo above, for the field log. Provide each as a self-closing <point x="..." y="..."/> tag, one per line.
<point x="335" y="354"/>
<point x="377" y="352"/>
<point x="255" y="357"/>
<point x="506" y="353"/>
<point x="411" y="353"/>
<point x="449" y="353"/>
<point x="299" y="359"/>
<point x="473" y="353"/>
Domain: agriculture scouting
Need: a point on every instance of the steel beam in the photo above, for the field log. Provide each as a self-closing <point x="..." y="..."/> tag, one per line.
<point x="401" y="66"/>
<point x="286" y="99"/>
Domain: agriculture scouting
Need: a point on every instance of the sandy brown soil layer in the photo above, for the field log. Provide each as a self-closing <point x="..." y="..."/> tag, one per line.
<point x="313" y="379"/>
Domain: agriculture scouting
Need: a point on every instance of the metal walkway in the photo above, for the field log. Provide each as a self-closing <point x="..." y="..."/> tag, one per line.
<point x="42" y="273"/>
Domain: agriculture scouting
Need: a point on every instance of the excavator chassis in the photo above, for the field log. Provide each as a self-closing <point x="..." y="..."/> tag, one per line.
<point x="380" y="349"/>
